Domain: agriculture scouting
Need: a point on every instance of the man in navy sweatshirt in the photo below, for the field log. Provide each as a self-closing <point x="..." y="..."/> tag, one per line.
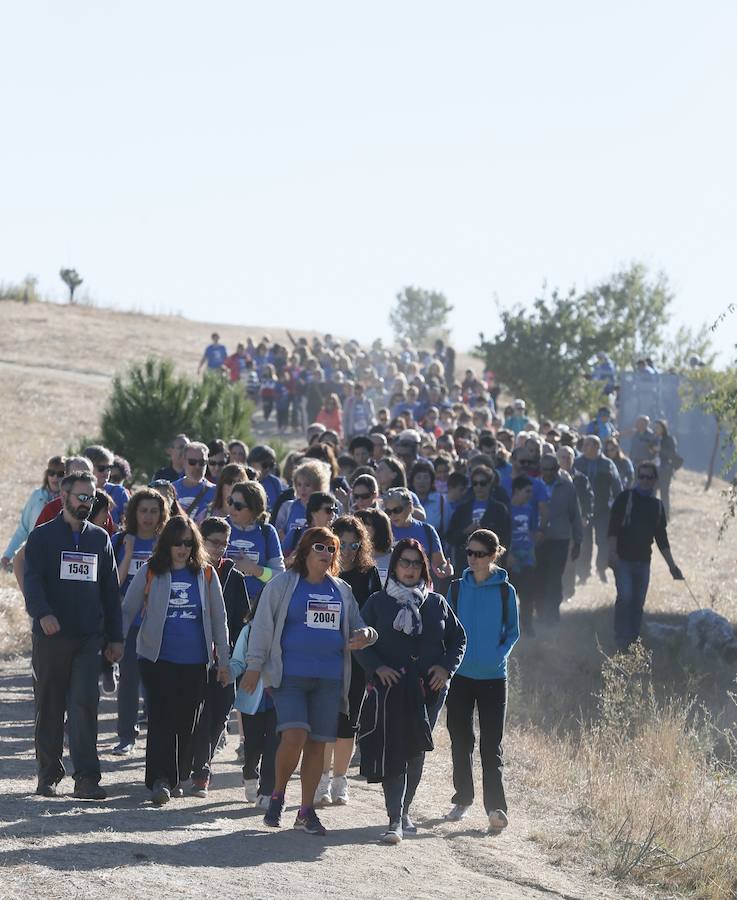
<point x="72" y="594"/>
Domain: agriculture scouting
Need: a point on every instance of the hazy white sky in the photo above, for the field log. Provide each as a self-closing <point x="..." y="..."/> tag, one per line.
<point x="299" y="162"/>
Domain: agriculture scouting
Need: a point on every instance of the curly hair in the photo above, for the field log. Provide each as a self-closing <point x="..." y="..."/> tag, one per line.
<point x="364" y="560"/>
<point x="130" y="525"/>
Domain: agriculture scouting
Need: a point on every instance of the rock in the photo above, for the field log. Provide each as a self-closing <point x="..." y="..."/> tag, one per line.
<point x="708" y="631"/>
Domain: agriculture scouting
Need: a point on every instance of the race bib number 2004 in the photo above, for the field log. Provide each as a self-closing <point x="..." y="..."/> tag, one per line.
<point x="324" y="614"/>
<point x="78" y="566"/>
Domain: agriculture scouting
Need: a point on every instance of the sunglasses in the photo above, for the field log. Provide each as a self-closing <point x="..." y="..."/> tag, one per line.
<point x="216" y="463"/>
<point x="321" y="548"/>
<point x="394" y="510"/>
<point x="104" y="468"/>
<point x="237" y="505"/>
<point x="643" y="477"/>
<point x="354" y="545"/>
<point x="362" y="496"/>
<point x="329" y="509"/>
<point x="477" y="554"/>
<point x="84" y="498"/>
<point x="55" y="473"/>
<point x="200" y="463"/>
<point x="183" y="543"/>
<point x="409" y="563"/>
<point x="479" y="483"/>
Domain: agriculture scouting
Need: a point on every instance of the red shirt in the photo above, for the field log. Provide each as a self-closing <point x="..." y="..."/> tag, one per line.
<point x="53" y="508"/>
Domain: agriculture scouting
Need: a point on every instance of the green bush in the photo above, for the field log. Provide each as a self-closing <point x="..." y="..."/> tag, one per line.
<point x="151" y="403"/>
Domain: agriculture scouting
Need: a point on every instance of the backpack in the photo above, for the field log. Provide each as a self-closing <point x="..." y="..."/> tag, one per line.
<point x="455" y="589"/>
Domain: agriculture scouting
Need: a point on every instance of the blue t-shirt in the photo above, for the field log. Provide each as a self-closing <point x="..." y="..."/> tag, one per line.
<point x="524" y="523"/>
<point x="422" y="532"/>
<point x="142" y="550"/>
<point x="183" y="640"/>
<point x="120" y="498"/>
<point x="297" y="517"/>
<point x="312" y="639"/>
<point x="259" y="543"/>
<point x="215" y="355"/>
<point x="187" y="496"/>
<point x="539" y="490"/>
<point x="273" y="487"/>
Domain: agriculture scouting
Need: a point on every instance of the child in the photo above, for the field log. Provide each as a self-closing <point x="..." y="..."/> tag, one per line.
<point x="258" y="717"/>
<point x="268" y="390"/>
<point x="521" y="556"/>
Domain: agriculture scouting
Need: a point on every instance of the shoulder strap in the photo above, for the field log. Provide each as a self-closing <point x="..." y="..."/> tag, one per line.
<point x="198" y="497"/>
<point x="147" y="588"/>
<point x="455" y="588"/>
<point x="428" y="537"/>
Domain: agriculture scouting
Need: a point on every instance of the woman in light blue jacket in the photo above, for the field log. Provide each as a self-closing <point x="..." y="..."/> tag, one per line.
<point x="35" y="503"/>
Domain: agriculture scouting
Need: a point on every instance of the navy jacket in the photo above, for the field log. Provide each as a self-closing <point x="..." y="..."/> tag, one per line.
<point x="82" y="607"/>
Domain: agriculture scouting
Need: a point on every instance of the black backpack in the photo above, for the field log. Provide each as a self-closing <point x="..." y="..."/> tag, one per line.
<point x="455" y="589"/>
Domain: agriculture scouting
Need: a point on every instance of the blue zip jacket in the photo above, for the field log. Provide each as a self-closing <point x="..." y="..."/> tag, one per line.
<point x="82" y="607"/>
<point x="480" y="613"/>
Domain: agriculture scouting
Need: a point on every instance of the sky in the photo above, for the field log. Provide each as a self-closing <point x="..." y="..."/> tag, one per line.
<point x="298" y="163"/>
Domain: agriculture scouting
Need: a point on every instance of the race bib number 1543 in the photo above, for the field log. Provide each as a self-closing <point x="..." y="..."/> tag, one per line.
<point x="78" y="566"/>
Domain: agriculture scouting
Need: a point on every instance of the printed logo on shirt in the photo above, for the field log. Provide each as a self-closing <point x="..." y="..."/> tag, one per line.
<point x="180" y="606"/>
<point x="242" y="547"/>
<point x="297" y="523"/>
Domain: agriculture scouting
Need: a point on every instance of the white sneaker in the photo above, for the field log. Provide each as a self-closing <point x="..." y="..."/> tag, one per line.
<point x="251" y="787"/>
<point x="457" y="813"/>
<point x="339" y="790"/>
<point x="262" y="801"/>
<point x="322" y="794"/>
<point x="498" y="821"/>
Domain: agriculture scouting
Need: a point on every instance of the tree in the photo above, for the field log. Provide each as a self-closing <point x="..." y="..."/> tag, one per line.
<point x="151" y="403"/>
<point x="72" y="280"/>
<point x="418" y="313"/>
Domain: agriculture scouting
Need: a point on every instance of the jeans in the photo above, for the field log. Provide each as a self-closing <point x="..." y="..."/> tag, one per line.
<point x="632" y="579"/>
<point x="551" y="562"/>
<point x="598" y="529"/>
<point x="129" y="689"/>
<point x="211" y="724"/>
<point x="399" y="790"/>
<point x="259" y="750"/>
<point x="65" y="679"/>
<point x="174" y="693"/>
<point x="490" y="696"/>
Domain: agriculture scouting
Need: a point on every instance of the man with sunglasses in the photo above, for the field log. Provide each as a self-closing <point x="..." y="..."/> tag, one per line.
<point x="481" y="510"/>
<point x="194" y="492"/>
<point x="72" y="594"/>
<point x="637" y="519"/>
<point x="102" y="462"/>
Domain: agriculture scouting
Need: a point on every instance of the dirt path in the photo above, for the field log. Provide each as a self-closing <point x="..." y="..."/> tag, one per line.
<point x="126" y="848"/>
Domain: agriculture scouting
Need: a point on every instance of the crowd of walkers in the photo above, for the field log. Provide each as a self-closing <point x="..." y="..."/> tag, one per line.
<point x="340" y="596"/>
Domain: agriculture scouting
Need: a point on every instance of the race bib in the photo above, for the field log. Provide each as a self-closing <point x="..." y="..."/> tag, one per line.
<point x="78" y="566"/>
<point x="138" y="561"/>
<point x="324" y="614"/>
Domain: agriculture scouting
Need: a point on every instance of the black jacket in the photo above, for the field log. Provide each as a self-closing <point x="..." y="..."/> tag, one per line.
<point x="235" y="595"/>
<point x="496" y="517"/>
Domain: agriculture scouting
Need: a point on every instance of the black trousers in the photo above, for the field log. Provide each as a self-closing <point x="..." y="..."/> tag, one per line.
<point x="596" y="532"/>
<point x="65" y="679"/>
<point x="525" y="583"/>
<point x="174" y="694"/>
<point x="259" y="750"/>
<point x="551" y="562"/>
<point x="129" y="689"/>
<point x="490" y="696"/>
<point x="211" y="724"/>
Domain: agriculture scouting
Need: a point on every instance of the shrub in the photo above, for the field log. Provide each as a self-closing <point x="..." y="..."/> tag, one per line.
<point x="151" y="403"/>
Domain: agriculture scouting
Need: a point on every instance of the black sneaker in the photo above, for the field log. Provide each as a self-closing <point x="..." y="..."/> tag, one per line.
<point x="160" y="792"/>
<point x="87" y="789"/>
<point x="273" y="813"/>
<point x="309" y="823"/>
<point x="408" y="826"/>
<point x="46" y="789"/>
<point x="124" y="748"/>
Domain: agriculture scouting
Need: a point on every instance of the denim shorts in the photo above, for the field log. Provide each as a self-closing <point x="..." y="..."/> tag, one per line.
<point x="309" y="703"/>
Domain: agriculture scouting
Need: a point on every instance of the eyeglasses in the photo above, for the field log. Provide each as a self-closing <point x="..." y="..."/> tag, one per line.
<point x="393" y="510"/>
<point x="642" y="476"/>
<point x="183" y="543"/>
<point x="409" y="563"/>
<point x="354" y="545"/>
<point x="478" y="554"/>
<point x="362" y="496"/>
<point x="104" y="468"/>
<point x="55" y="473"/>
<point x="237" y="505"/>
<point x="200" y="463"/>
<point x="479" y="483"/>
<point x="321" y="548"/>
<point x="329" y="509"/>
<point x="219" y="544"/>
<point x="84" y="498"/>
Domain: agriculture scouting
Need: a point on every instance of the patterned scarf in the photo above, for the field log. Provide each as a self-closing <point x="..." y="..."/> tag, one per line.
<point x="409" y="600"/>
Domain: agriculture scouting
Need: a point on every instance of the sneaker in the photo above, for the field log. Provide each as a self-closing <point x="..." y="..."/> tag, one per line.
<point x="339" y="790"/>
<point x="408" y="826"/>
<point x="177" y="791"/>
<point x="222" y="741"/>
<point x="46" y="789"/>
<point x="109" y="680"/>
<point x="309" y="822"/>
<point x="262" y="801"/>
<point x="356" y="758"/>
<point x="273" y="812"/>
<point x="87" y="789"/>
<point x="498" y="821"/>
<point x="199" y="787"/>
<point x="160" y="792"/>
<point x="251" y="788"/>
<point x="124" y="748"/>
<point x="393" y="834"/>
<point x="458" y="812"/>
<point x="322" y="794"/>
<point x="240" y="753"/>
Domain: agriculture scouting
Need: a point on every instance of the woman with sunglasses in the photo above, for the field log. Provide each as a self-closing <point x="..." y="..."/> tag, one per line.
<point x="49" y="490"/>
<point x="145" y="516"/>
<point x="321" y="510"/>
<point x="253" y="544"/>
<point x="364" y="492"/>
<point x="379" y="528"/>
<point x="398" y="506"/>
<point x="486" y="604"/>
<point x="231" y="474"/>
<point x="306" y="625"/>
<point x="184" y="619"/>
<point x="217" y="459"/>
<point x="420" y="645"/>
<point x="357" y="569"/>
